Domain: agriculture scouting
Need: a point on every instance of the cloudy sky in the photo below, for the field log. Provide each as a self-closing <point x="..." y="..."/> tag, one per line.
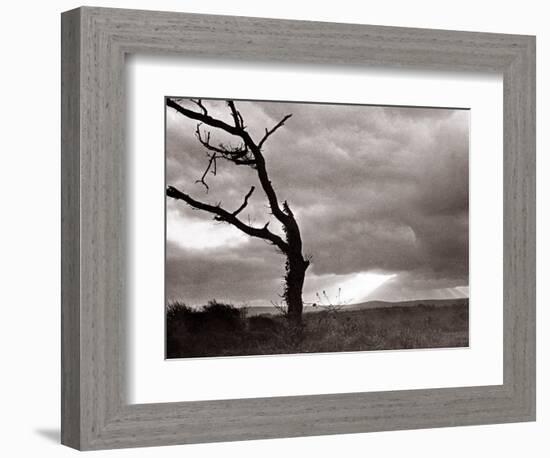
<point x="380" y="194"/>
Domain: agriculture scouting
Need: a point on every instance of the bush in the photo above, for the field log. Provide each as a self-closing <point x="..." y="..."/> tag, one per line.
<point x="210" y="330"/>
<point x="222" y="312"/>
<point x="214" y="316"/>
<point x="177" y="311"/>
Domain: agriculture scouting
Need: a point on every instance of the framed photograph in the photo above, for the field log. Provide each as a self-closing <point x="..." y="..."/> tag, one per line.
<point x="277" y="228"/>
<point x="380" y="193"/>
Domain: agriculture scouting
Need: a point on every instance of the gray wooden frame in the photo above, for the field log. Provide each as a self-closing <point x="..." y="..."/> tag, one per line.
<point x="95" y="413"/>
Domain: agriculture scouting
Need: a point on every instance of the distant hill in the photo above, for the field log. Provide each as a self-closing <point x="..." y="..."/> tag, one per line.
<point x="365" y="305"/>
<point x="383" y="304"/>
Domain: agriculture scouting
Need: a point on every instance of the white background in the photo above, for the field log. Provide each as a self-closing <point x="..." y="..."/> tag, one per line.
<point x="29" y="250"/>
<point x="155" y="380"/>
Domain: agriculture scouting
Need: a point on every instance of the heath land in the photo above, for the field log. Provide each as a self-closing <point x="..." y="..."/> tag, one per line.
<point x="218" y="329"/>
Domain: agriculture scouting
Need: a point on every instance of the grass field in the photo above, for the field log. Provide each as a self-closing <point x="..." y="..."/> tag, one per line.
<point x="224" y="330"/>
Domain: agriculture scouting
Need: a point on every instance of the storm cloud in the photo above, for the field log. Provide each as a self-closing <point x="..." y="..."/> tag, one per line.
<point x="380" y="194"/>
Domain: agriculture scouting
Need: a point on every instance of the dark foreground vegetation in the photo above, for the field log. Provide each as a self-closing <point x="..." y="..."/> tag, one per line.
<point x="224" y="330"/>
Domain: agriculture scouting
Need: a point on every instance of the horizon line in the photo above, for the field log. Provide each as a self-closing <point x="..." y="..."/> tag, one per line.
<point x="310" y="304"/>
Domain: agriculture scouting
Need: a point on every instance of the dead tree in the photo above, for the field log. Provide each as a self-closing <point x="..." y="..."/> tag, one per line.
<point x="249" y="153"/>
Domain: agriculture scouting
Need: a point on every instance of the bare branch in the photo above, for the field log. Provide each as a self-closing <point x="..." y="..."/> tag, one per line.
<point x="245" y="202"/>
<point x="269" y="132"/>
<point x="237" y="118"/>
<point x="205" y="118"/>
<point x="225" y="216"/>
<point x="239" y="155"/>
<point x="287" y="209"/>
<point x="211" y="164"/>
<point x="205" y="141"/>
<point x="199" y="103"/>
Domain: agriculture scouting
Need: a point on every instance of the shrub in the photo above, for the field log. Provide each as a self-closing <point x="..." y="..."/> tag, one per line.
<point x="177" y="311"/>
<point x="210" y="330"/>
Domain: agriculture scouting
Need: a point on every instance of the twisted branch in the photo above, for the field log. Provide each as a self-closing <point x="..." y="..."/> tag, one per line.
<point x="268" y="133"/>
<point x="231" y="218"/>
<point x="245" y="203"/>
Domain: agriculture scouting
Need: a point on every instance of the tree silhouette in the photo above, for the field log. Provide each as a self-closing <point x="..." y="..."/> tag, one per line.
<point x="249" y="153"/>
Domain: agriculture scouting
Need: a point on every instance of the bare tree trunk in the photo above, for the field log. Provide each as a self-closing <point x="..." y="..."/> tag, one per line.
<point x="296" y="268"/>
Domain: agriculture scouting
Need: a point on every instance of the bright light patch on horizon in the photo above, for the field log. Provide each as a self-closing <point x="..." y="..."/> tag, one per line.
<point x="463" y="290"/>
<point x="449" y="293"/>
<point x="201" y="235"/>
<point x="345" y="289"/>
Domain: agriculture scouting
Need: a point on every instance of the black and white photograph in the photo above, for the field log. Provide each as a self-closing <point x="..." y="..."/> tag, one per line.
<point x="311" y="228"/>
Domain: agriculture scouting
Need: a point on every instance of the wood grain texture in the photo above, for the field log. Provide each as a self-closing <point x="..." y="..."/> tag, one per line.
<point x="70" y="229"/>
<point x="95" y="413"/>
